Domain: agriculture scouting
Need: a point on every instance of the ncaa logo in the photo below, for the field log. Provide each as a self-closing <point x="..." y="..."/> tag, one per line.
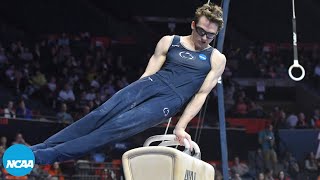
<point x="202" y="57"/>
<point x="18" y="160"/>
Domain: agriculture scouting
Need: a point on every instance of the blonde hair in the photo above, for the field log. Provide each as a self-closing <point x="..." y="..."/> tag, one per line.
<point x="212" y="12"/>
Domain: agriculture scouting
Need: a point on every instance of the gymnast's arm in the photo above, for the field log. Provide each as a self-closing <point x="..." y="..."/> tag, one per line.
<point x="218" y="63"/>
<point x="158" y="58"/>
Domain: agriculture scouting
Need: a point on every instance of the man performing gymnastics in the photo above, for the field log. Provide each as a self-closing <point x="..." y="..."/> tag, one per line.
<point x="183" y="69"/>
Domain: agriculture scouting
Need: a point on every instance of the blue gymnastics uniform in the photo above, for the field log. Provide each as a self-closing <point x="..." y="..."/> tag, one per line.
<point x="145" y="103"/>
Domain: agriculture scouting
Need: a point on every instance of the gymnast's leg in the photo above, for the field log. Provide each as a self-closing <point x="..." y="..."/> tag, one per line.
<point x="144" y="116"/>
<point x="122" y="101"/>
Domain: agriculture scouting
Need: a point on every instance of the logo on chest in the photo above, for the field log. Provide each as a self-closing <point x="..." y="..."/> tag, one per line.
<point x="186" y="55"/>
<point x="202" y="57"/>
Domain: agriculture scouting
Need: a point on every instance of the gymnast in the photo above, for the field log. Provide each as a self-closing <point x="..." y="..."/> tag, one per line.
<point x="182" y="71"/>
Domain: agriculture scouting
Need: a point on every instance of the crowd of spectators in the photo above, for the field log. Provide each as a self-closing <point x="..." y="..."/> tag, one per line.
<point x="263" y="164"/>
<point x="73" y="75"/>
<point x="266" y="163"/>
<point x="284" y="120"/>
<point x="272" y="61"/>
<point x="95" y="165"/>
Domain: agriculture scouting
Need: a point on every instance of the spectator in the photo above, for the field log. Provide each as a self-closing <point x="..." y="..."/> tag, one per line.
<point x="55" y="172"/>
<point x="292" y="120"/>
<point x="3" y="142"/>
<point x="282" y="123"/>
<point x="66" y="94"/>
<point x="255" y="111"/>
<point x="98" y="100"/>
<point x="267" y="141"/>
<point x="218" y="177"/>
<point x="95" y="83"/>
<point x="295" y="171"/>
<point x="282" y="71"/>
<point x="291" y="159"/>
<point x="272" y="72"/>
<point x="26" y="54"/>
<point x="262" y="70"/>
<point x="74" y="77"/>
<point x="65" y="74"/>
<point x="10" y="73"/>
<point x="22" y="78"/>
<point x="82" y="101"/>
<point x="259" y="161"/>
<point x="241" y="108"/>
<point x="65" y="51"/>
<point x="242" y="94"/>
<point x="275" y="114"/>
<point x="92" y="72"/>
<point x="85" y="110"/>
<point x="229" y="93"/>
<point x="311" y="165"/>
<point x="23" y="111"/>
<point x="291" y="166"/>
<point x="63" y="116"/>
<point x="10" y="112"/>
<point x="282" y="176"/>
<point x="240" y="168"/>
<point x="260" y="176"/>
<point x="51" y="91"/>
<point x="91" y="105"/>
<point x="91" y="95"/>
<point x="37" y="52"/>
<point x="63" y="40"/>
<point x="251" y="55"/>
<point x="38" y="80"/>
<point x="104" y="95"/>
<point x="109" y="88"/>
<point x="99" y="157"/>
<point x="302" y="122"/>
<point x="315" y="120"/>
<point x="38" y="173"/>
<point x="268" y="174"/>
<point x="36" y="83"/>
<point x="121" y="147"/>
<point x="14" y="49"/>
<point x="20" y="140"/>
<point x="279" y="123"/>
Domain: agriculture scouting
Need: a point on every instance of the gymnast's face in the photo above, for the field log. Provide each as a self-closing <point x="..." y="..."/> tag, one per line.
<point x="203" y="32"/>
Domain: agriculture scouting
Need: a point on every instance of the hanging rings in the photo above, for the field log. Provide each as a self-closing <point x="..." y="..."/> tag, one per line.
<point x="295" y="50"/>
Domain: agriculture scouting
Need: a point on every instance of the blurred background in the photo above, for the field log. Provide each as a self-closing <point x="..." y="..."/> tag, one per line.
<point x="61" y="59"/>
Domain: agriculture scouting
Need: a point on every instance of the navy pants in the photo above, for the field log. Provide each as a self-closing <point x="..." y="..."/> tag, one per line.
<point x="141" y="105"/>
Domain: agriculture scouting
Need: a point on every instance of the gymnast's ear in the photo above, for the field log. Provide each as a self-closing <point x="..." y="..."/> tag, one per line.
<point x="193" y="25"/>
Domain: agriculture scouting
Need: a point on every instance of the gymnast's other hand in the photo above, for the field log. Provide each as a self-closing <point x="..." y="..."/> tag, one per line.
<point x="182" y="134"/>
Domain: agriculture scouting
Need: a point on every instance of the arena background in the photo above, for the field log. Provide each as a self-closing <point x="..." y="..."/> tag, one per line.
<point x="97" y="47"/>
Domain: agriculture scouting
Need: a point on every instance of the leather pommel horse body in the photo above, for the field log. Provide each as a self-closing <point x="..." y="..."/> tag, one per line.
<point x="165" y="163"/>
